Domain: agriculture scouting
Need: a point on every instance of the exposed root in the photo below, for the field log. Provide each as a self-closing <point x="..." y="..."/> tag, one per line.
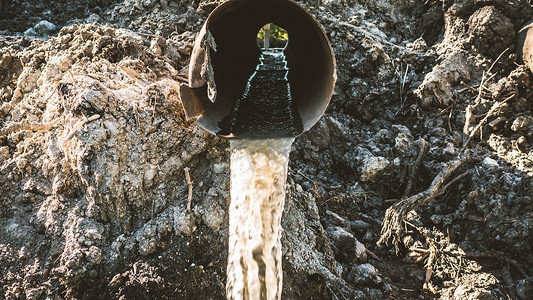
<point x="393" y="223"/>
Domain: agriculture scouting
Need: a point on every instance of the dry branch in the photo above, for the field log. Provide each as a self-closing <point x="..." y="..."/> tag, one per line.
<point x="77" y="127"/>
<point x="24" y="126"/>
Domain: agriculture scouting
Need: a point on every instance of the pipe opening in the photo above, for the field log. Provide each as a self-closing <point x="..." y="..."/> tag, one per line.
<point x="275" y="37"/>
<point x="239" y="90"/>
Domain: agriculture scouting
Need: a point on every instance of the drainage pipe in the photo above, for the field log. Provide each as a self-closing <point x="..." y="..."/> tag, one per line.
<point x="226" y="54"/>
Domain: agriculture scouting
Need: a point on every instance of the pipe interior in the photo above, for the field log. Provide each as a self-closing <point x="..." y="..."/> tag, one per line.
<point x="234" y="26"/>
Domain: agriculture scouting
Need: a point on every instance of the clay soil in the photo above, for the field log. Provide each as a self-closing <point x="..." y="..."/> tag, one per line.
<point x="417" y="182"/>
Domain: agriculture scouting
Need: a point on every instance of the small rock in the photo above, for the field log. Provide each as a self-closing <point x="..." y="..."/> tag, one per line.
<point x="356" y="189"/>
<point x="184" y="222"/>
<point x="403" y="139"/>
<point x="4" y="153"/>
<point x="336" y="128"/>
<point x="155" y="48"/>
<point x="149" y="3"/>
<point x="219" y="168"/>
<point x="93" y="18"/>
<point x="449" y="150"/>
<point x="418" y="45"/>
<point x="319" y="135"/>
<point x="44" y="27"/>
<point x="359" y="225"/>
<point x="521" y="123"/>
<point x="490" y="31"/>
<point x="490" y="163"/>
<point x="372" y="167"/>
<point x="373" y="294"/>
<point x="27" y="80"/>
<point x="362" y="274"/>
<point x="348" y="248"/>
<point x="468" y="292"/>
<point x="30" y="32"/>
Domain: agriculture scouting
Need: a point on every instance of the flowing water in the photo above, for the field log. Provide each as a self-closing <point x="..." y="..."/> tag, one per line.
<point x="258" y="176"/>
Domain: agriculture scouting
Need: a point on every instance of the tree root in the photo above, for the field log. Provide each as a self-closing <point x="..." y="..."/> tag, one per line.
<point x="393" y="223"/>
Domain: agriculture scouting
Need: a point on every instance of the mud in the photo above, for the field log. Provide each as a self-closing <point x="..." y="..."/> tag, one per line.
<point x="94" y="144"/>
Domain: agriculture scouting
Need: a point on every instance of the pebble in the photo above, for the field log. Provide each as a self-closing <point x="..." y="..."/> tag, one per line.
<point x="44" y="27"/>
<point x="220" y="167"/>
<point x="362" y="274"/>
<point x="521" y="123"/>
<point x="372" y="167"/>
<point x="490" y="163"/>
<point x="349" y="248"/>
<point x="30" y="32"/>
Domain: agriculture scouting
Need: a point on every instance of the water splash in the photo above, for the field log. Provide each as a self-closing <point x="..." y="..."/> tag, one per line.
<point x="258" y="176"/>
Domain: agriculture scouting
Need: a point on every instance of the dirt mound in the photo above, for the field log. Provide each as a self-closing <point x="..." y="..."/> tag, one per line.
<point x="426" y="148"/>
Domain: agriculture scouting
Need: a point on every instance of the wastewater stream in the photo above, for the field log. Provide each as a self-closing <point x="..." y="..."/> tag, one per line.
<point x="258" y="175"/>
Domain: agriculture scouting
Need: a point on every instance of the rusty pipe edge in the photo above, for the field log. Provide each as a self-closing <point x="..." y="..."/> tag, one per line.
<point x="524" y="45"/>
<point x="225" y="53"/>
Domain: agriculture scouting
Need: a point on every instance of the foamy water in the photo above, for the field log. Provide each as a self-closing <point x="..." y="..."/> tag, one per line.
<point x="258" y="176"/>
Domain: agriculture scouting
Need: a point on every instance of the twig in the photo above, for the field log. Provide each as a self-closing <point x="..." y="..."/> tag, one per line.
<point x="509" y="282"/>
<point x="491" y="111"/>
<point x="146" y="34"/>
<point x="441" y="112"/>
<point x="456" y="277"/>
<point x="483" y="80"/>
<point x="331" y="291"/>
<point x="450" y="116"/>
<point x="378" y="38"/>
<point x="80" y="124"/>
<point x="24" y="126"/>
<point x="469" y="108"/>
<point x="72" y="76"/>
<point x="153" y="208"/>
<point x="503" y="258"/>
<point x="336" y="216"/>
<point x="374" y="256"/>
<point x="459" y="177"/>
<point x="307" y="177"/>
<point x="189" y="183"/>
<point x="184" y="79"/>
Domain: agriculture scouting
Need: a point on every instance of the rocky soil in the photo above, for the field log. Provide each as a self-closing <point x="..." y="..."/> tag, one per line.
<point x="416" y="184"/>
